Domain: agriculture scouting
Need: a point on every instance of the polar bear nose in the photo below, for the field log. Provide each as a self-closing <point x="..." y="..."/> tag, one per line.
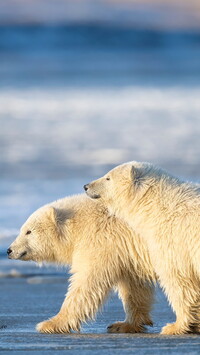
<point x="9" y="251"/>
<point x="86" y="187"/>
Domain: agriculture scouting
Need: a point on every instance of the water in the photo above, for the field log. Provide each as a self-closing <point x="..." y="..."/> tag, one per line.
<point x="96" y="54"/>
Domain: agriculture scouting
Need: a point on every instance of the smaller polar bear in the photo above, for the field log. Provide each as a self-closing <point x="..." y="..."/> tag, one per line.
<point x="165" y="212"/>
<point x="103" y="253"/>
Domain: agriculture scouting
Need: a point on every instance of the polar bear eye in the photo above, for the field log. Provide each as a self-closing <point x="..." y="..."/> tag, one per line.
<point x="108" y="178"/>
<point x="28" y="232"/>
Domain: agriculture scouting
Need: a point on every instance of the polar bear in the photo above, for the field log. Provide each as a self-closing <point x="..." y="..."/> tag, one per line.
<point x="103" y="253"/>
<point x="165" y="213"/>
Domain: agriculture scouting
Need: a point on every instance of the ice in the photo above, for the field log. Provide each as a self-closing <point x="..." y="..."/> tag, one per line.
<point x="53" y="132"/>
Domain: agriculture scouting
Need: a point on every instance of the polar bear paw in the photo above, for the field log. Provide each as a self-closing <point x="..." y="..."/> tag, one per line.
<point x="53" y="325"/>
<point x="173" y="329"/>
<point x="124" y="327"/>
<point x="195" y="328"/>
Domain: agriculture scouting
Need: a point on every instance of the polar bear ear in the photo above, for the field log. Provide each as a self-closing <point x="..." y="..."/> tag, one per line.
<point x="58" y="215"/>
<point x="51" y="213"/>
<point x="135" y="174"/>
<point x="61" y="215"/>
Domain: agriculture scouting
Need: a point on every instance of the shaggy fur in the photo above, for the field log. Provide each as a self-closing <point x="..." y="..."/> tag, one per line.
<point x="165" y="212"/>
<point x="103" y="253"/>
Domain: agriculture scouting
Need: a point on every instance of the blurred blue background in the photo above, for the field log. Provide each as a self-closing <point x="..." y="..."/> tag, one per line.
<point x="86" y="85"/>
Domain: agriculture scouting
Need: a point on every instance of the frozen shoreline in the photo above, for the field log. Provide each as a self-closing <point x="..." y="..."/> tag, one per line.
<point x="92" y="130"/>
<point x="25" y="302"/>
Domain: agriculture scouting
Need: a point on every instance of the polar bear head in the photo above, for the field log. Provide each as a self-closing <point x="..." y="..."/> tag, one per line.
<point x="40" y="236"/>
<point x="123" y="184"/>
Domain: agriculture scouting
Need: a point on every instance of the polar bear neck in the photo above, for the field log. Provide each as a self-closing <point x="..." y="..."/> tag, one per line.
<point x="161" y="198"/>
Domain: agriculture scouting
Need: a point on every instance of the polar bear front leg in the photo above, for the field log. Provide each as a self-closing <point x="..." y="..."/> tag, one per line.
<point x="183" y="297"/>
<point x="85" y="295"/>
<point x="137" y="299"/>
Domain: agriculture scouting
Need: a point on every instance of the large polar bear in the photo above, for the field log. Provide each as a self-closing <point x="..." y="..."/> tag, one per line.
<point x="103" y="253"/>
<point x="165" y="212"/>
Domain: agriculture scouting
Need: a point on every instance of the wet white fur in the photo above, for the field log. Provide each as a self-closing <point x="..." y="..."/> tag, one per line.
<point x="103" y="253"/>
<point x="165" y="212"/>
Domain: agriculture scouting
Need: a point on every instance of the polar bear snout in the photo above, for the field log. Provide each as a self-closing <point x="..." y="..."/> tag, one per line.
<point x="9" y="251"/>
<point x="90" y="191"/>
<point x="16" y="253"/>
